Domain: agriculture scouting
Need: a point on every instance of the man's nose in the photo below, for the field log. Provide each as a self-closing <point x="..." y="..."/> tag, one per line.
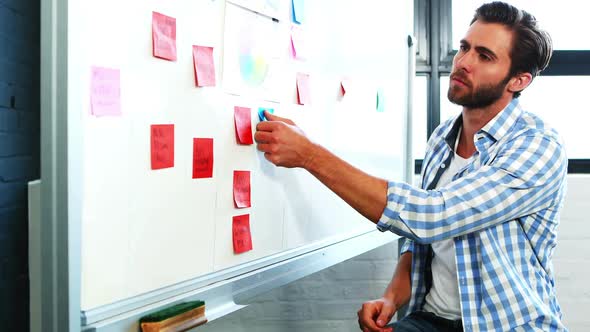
<point x="464" y="61"/>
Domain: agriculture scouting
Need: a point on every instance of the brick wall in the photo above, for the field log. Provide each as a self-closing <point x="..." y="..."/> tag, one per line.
<point x="571" y="260"/>
<point x="322" y="302"/>
<point x="19" y="151"/>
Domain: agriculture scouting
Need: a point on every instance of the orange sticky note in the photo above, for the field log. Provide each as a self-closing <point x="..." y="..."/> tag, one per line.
<point x="105" y="92"/>
<point x="243" y="123"/>
<point x="204" y="66"/>
<point x="202" y="158"/>
<point x="164" y="36"/>
<point x="241" y="236"/>
<point x="303" y="90"/>
<point x="242" y="189"/>
<point x="162" y="146"/>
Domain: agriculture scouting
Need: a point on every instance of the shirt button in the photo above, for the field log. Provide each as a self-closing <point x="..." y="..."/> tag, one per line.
<point x="443" y="166"/>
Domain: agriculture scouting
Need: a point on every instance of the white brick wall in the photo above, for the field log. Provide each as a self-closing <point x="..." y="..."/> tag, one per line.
<point x="328" y="300"/>
<point x="571" y="259"/>
<point x="324" y="301"/>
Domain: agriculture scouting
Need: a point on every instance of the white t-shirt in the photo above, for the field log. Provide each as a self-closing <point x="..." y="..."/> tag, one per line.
<point x="443" y="298"/>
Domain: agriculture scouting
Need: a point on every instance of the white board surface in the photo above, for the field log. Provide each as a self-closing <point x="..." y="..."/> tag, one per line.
<point x="145" y="229"/>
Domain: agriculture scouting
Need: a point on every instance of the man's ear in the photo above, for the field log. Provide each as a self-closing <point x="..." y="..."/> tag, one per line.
<point x="520" y="82"/>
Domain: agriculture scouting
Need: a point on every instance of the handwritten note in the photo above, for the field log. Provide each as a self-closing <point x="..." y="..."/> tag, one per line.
<point x="204" y="66"/>
<point x="105" y="92"/>
<point x="242" y="189"/>
<point x="162" y="146"/>
<point x="298" y="15"/>
<point x="303" y="89"/>
<point x="242" y="238"/>
<point x="243" y="123"/>
<point x="164" y="36"/>
<point x="202" y="158"/>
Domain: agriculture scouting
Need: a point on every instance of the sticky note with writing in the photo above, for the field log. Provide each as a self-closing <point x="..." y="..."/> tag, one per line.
<point x="202" y="158"/>
<point x="241" y="236"/>
<point x="162" y="146"/>
<point x="243" y="123"/>
<point x="105" y="92"/>
<point x="204" y="66"/>
<point x="242" y="189"/>
<point x="164" y="36"/>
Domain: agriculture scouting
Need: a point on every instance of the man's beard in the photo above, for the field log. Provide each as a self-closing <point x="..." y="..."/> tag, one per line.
<point x="481" y="97"/>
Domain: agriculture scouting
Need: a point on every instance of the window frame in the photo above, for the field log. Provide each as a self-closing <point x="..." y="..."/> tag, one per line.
<point x="434" y="57"/>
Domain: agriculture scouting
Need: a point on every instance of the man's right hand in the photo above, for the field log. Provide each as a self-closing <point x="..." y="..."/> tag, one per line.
<point x="374" y="315"/>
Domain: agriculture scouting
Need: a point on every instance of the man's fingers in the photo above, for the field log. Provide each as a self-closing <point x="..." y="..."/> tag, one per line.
<point x="366" y="315"/>
<point x="266" y="126"/>
<point x="387" y="312"/>
<point x="263" y="137"/>
<point x="272" y="117"/>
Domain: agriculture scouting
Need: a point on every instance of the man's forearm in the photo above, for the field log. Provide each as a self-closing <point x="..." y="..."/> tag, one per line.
<point x="400" y="287"/>
<point x="365" y="193"/>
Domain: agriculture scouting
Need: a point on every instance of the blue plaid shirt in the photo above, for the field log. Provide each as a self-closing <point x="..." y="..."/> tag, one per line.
<point x="502" y="210"/>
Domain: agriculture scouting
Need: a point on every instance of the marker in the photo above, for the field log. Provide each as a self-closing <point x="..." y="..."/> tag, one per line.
<point x="261" y="113"/>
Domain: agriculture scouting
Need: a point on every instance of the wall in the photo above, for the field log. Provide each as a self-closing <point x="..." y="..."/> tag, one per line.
<point x="572" y="255"/>
<point x="19" y="151"/>
<point x="325" y="301"/>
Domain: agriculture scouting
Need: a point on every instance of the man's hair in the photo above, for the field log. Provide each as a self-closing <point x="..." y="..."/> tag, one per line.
<point x="531" y="47"/>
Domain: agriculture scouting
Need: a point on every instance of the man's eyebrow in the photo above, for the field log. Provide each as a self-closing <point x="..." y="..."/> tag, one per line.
<point x="480" y="49"/>
<point x="483" y="49"/>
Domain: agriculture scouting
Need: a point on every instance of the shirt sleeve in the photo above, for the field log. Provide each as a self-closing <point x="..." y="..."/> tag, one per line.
<point x="522" y="179"/>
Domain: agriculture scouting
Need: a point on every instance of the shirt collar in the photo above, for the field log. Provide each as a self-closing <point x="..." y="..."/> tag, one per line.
<point x="496" y="127"/>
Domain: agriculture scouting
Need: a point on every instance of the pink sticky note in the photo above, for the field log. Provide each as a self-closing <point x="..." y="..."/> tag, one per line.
<point x="241" y="236"/>
<point x="242" y="189"/>
<point x="105" y="92"/>
<point x="162" y="146"/>
<point x="202" y="158"/>
<point x="243" y="123"/>
<point x="204" y="66"/>
<point x="164" y="36"/>
<point x="303" y="90"/>
<point x="298" y="45"/>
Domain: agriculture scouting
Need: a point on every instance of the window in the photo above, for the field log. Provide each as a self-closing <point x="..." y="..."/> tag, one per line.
<point x="564" y="22"/>
<point x="420" y="100"/>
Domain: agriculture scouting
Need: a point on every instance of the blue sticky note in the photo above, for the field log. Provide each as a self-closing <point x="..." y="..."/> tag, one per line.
<point x="261" y="112"/>
<point x="380" y="101"/>
<point x="297" y="11"/>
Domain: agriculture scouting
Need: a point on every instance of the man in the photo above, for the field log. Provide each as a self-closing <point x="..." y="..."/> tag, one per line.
<point x="482" y="229"/>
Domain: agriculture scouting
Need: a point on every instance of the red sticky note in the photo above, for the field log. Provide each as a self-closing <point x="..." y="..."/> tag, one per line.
<point x="105" y="92"/>
<point x="162" y="146"/>
<point x="243" y="123"/>
<point x="202" y="158"/>
<point x="242" y="238"/>
<point x="303" y="91"/>
<point x="242" y="189"/>
<point x="343" y="85"/>
<point x="204" y="66"/>
<point x="164" y="36"/>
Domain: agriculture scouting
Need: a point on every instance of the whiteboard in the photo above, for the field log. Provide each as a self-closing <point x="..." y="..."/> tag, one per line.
<point x="143" y="230"/>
